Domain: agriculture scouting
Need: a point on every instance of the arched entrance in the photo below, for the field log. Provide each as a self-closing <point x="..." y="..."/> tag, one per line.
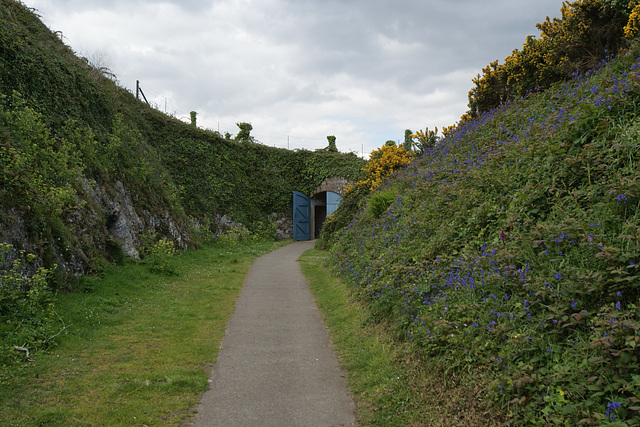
<point x="309" y="213"/>
<point x="322" y="204"/>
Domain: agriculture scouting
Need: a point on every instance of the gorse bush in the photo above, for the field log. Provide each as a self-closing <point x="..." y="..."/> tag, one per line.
<point x="588" y="32"/>
<point x="510" y="254"/>
<point x="383" y="162"/>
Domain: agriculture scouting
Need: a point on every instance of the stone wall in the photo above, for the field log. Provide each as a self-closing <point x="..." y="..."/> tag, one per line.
<point x="336" y="184"/>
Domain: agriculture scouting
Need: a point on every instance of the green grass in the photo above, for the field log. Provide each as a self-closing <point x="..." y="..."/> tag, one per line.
<point x="389" y="382"/>
<point x="137" y="345"/>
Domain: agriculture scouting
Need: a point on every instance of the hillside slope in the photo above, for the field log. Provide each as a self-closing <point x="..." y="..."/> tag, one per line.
<point x="89" y="172"/>
<point x="508" y="253"/>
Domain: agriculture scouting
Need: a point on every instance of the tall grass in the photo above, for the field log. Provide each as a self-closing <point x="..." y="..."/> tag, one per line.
<point x="136" y="346"/>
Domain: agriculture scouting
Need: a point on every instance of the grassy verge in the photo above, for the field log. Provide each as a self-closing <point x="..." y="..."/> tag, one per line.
<point x="389" y="382"/>
<point x="136" y="344"/>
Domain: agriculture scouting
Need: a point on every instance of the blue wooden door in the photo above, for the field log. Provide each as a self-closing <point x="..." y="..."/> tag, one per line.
<point x="301" y="216"/>
<point x="333" y="200"/>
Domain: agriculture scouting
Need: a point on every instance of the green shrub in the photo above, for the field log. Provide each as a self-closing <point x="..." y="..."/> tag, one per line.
<point x="38" y="168"/>
<point x="158" y="252"/>
<point x="379" y="203"/>
<point x="350" y="205"/>
<point x="235" y="236"/>
<point x="264" y="230"/>
<point x="27" y="315"/>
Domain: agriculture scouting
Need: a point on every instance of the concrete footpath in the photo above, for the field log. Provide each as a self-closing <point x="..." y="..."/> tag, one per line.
<point x="276" y="366"/>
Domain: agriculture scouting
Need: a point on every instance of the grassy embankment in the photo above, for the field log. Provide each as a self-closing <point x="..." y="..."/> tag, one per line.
<point x="507" y="255"/>
<point x="389" y="384"/>
<point x="135" y="344"/>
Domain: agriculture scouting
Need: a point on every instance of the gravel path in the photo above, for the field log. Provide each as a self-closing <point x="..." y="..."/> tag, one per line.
<point x="276" y="366"/>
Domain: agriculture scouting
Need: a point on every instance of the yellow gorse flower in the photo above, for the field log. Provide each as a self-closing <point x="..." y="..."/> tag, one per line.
<point x="633" y="26"/>
<point x="382" y="163"/>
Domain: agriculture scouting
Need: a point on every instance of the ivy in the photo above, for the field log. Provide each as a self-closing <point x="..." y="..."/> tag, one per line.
<point x="66" y="127"/>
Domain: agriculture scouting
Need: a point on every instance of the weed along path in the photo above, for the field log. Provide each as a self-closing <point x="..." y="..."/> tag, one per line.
<point x="276" y="366"/>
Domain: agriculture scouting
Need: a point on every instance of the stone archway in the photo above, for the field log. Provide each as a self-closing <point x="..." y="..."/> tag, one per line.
<point x="336" y="184"/>
<point x="309" y="213"/>
<point x="329" y="192"/>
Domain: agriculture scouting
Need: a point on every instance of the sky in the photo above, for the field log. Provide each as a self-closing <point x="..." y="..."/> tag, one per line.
<point x="300" y="70"/>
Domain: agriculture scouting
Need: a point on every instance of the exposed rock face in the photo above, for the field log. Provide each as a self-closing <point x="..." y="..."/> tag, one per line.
<point x="223" y="224"/>
<point x="13" y="228"/>
<point x="284" y="226"/>
<point x="123" y="223"/>
<point x="126" y="225"/>
<point x="105" y="216"/>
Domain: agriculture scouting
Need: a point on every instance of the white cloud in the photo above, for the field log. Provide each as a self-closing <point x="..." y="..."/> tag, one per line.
<point x="299" y="70"/>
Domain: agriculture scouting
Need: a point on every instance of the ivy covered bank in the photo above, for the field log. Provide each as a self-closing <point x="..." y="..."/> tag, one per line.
<point x="91" y="175"/>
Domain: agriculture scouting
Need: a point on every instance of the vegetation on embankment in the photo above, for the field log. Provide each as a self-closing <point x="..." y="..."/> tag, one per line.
<point x="131" y="352"/>
<point x="89" y="174"/>
<point x="80" y="155"/>
<point x="508" y="253"/>
<point x="389" y="383"/>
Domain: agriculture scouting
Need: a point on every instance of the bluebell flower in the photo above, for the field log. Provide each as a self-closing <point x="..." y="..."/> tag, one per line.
<point x="610" y="407"/>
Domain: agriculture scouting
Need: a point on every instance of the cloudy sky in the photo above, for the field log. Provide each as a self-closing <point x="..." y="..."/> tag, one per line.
<point x="299" y="70"/>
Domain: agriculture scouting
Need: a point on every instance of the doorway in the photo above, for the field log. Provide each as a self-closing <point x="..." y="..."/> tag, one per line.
<point x="309" y="214"/>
